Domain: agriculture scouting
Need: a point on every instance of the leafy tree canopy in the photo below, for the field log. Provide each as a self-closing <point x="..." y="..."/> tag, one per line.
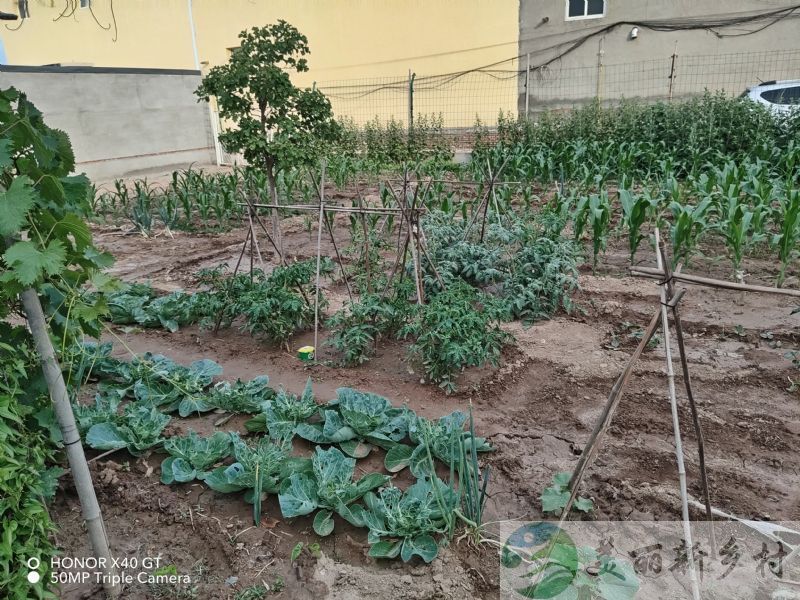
<point x="276" y="124"/>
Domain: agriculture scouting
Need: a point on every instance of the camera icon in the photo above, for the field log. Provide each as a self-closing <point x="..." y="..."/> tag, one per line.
<point x="33" y="564"/>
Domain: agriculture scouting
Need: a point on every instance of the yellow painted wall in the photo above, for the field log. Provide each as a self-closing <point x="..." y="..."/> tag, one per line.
<point x="349" y="39"/>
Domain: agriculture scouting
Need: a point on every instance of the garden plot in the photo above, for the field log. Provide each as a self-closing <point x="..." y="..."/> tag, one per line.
<point x="536" y="409"/>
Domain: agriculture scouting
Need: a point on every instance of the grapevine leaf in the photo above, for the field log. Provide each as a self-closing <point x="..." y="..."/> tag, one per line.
<point x="15" y="202"/>
<point x="29" y="263"/>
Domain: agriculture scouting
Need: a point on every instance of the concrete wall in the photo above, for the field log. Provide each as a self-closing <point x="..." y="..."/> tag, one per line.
<point x="121" y="120"/>
<point x="608" y="64"/>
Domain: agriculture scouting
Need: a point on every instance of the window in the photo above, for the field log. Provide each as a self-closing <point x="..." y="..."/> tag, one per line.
<point x="585" y="9"/>
<point x="787" y="95"/>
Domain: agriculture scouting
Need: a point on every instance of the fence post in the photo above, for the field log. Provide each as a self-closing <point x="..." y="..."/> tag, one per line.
<point x="411" y="77"/>
<point x="527" y="85"/>
<point x="672" y="70"/>
<point x="600" y="68"/>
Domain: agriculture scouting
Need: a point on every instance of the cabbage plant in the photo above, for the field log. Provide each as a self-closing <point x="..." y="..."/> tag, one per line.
<point x="405" y="523"/>
<point x="191" y="456"/>
<point x="138" y="430"/>
<point x="330" y="487"/>
<point x="258" y="470"/>
<point x="281" y="415"/>
<point x="356" y="421"/>
<point x="442" y="436"/>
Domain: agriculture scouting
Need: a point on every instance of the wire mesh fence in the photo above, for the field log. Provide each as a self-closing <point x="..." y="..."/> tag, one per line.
<point x="461" y="99"/>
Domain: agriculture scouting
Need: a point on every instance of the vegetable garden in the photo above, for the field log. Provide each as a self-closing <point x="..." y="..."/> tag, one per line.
<point x="468" y="323"/>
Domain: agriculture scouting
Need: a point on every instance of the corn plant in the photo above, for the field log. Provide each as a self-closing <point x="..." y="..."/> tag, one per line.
<point x="594" y="210"/>
<point x="636" y="210"/>
<point x="168" y="211"/>
<point x="737" y="227"/>
<point x="141" y="214"/>
<point x="786" y="240"/>
<point x="688" y="224"/>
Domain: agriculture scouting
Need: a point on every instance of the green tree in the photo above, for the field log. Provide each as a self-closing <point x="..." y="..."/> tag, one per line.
<point x="276" y="125"/>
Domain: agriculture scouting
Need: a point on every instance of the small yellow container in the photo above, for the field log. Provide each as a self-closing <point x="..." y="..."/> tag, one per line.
<point x="306" y="353"/>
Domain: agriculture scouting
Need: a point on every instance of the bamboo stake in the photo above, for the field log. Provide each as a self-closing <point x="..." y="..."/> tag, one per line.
<point x="366" y="240"/>
<point x="280" y="254"/>
<point x="244" y="247"/>
<point x="397" y="262"/>
<point x="602" y="424"/>
<point x="408" y="210"/>
<point x="470" y="183"/>
<point x="716" y="283"/>
<point x="489" y="194"/>
<point x="423" y="246"/>
<point x="319" y="255"/>
<point x="333" y="241"/>
<point x="417" y="267"/>
<point x="254" y="239"/>
<point x="687" y="530"/>
<point x="485" y="199"/>
<point x="252" y="256"/>
<point x="687" y="381"/>
<point x="369" y="210"/>
<point x="266" y="232"/>
<point x="72" y="440"/>
<point x="250" y="232"/>
<point x="339" y="258"/>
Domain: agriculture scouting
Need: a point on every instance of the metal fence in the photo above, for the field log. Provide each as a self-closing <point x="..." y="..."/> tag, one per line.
<point x="460" y="99"/>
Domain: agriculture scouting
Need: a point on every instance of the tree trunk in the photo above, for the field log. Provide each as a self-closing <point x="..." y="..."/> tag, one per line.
<point x="72" y="440"/>
<point x="276" y="217"/>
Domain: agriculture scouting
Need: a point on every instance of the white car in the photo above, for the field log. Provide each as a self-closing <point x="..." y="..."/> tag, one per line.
<point x="782" y="97"/>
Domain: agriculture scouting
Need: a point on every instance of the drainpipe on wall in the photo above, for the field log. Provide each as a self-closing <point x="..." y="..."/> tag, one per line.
<point x="211" y="115"/>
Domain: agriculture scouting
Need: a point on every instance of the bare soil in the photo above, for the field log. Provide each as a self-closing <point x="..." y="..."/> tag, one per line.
<point x="537" y="408"/>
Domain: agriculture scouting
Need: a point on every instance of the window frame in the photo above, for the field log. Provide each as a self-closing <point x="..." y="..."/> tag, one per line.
<point x="779" y="91"/>
<point x="585" y="16"/>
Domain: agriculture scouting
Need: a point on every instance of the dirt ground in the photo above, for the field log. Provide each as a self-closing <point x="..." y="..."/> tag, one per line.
<point x="537" y="409"/>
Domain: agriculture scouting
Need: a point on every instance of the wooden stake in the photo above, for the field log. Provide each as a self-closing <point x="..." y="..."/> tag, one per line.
<point x="59" y="397"/>
<point x="339" y="258"/>
<point x="254" y="238"/>
<point x="365" y="232"/>
<point x="600" y="428"/>
<point x="687" y="381"/>
<point x="333" y="239"/>
<point x="319" y="256"/>
<point x="673" y="402"/>
<point x="715" y="283"/>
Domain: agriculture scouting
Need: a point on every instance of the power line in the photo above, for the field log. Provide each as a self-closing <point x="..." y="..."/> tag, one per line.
<point x="710" y="23"/>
